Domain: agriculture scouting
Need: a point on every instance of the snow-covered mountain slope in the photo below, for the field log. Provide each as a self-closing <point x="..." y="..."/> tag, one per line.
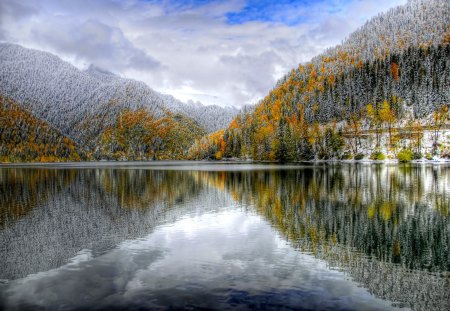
<point x="210" y="117"/>
<point x="417" y="23"/>
<point x="81" y="103"/>
<point x="400" y="54"/>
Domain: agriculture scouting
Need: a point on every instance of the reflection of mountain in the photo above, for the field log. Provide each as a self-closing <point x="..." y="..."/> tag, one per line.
<point x="50" y="214"/>
<point x="377" y="223"/>
<point x="387" y="227"/>
<point x="381" y="211"/>
<point x="416" y="289"/>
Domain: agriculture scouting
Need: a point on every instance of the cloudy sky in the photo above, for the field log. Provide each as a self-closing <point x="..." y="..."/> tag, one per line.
<point x="217" y="52"/>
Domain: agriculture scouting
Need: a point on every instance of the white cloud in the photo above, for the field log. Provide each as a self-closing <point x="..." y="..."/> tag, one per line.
<point x="188" y="51"/>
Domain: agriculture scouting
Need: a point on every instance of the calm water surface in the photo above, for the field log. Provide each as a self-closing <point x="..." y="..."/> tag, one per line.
<point x="215" y="236"/>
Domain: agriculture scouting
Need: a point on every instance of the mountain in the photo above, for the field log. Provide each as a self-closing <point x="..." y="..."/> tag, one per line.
<point x="70" y="99"/>
<point x="100" y="114"/>
<point x="209" y="117"/>
<point x="356" y="97"/>
<point x="393" y="54"/>
<point x="24" y="138"/>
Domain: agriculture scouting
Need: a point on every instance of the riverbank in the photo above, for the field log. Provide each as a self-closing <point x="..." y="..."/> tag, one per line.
<point x="227" y="162"/>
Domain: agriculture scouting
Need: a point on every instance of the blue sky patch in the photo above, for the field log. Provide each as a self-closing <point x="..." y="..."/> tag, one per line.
<point x="288" y="12"/>
<point x="281" y="11"/>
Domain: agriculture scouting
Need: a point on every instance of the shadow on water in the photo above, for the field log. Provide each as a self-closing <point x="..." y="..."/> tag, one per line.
<point x="387" y="227"/>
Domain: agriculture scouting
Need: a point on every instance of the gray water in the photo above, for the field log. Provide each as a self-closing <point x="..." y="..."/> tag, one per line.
<point x="145" y="236"/>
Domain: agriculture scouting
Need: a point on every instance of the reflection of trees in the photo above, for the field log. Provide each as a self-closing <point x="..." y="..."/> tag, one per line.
<point x="388" y="227"/>
<point x="64" y="211"/>
<point x="145" y="188"/>
<point x="375" y="222"/>
<point x="22" y="189"/>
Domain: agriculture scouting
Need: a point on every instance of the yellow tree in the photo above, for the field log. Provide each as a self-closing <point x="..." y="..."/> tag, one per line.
<point x="353" y="129"/>
<point x="388" y="117"/>
<point x="375" y="122"/>
<point x="439" y="118"/>
<point x="417" y="130"/>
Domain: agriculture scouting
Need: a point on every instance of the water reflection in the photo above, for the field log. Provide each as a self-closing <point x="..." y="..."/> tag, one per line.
<point x="197" y="262"/>
<point x="386" y="227"/>
<point x="67" y="211"/>
<point x="159" y="236"/>
<point x="396" y="215"/>
<point x="23" y="189"/>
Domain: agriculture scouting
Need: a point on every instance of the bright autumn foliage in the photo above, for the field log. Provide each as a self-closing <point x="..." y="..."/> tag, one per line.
<point x="395" y="71"/>
<point x="139" y="135"/>
<point x="211" y="146"/>
<point x="24" y="138"/>
<point x="295" y="120"/>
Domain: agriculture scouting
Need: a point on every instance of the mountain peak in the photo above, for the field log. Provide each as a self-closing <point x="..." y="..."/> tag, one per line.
<point x="93" y="69"/>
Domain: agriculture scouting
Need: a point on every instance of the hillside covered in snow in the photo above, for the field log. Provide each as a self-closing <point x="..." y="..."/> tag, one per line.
<point x="68" y="98"/>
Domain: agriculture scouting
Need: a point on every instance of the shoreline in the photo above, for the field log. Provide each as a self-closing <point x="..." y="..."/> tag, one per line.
<point x="175" y="163"/>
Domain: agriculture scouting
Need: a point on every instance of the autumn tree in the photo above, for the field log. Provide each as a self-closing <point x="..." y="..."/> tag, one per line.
<point x="388" y="117"/>
<point x="354" y="130"/>
<point x="375" y="122"/>
<point x="439" y="118"/>
<point x="417" y="136"/>
<point x="395" y="71"/>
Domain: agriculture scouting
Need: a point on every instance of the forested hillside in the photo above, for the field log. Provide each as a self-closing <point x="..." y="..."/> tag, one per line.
<point x="134" y="135"/>
<point x="139" y="135"/>
<point x="71" y="99"/>
<point x="375" y="93"/>
<point x="106" y="116"/>
<point x="23" y="138"/>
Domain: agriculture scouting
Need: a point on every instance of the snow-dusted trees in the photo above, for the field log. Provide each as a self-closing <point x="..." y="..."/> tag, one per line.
<point x="83" y="103"/>
<point x="398" y="61"/>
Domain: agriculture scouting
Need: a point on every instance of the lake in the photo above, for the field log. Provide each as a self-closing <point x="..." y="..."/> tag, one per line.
<point x="189" y="235"/>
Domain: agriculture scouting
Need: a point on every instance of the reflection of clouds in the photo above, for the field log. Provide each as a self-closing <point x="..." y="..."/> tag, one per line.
<point x="214" y="258"/>
<point x="80" y="283"/>
<point x="208" y="247"/>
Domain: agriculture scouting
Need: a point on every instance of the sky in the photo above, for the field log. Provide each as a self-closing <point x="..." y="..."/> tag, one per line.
<point x="229" y="53"/>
